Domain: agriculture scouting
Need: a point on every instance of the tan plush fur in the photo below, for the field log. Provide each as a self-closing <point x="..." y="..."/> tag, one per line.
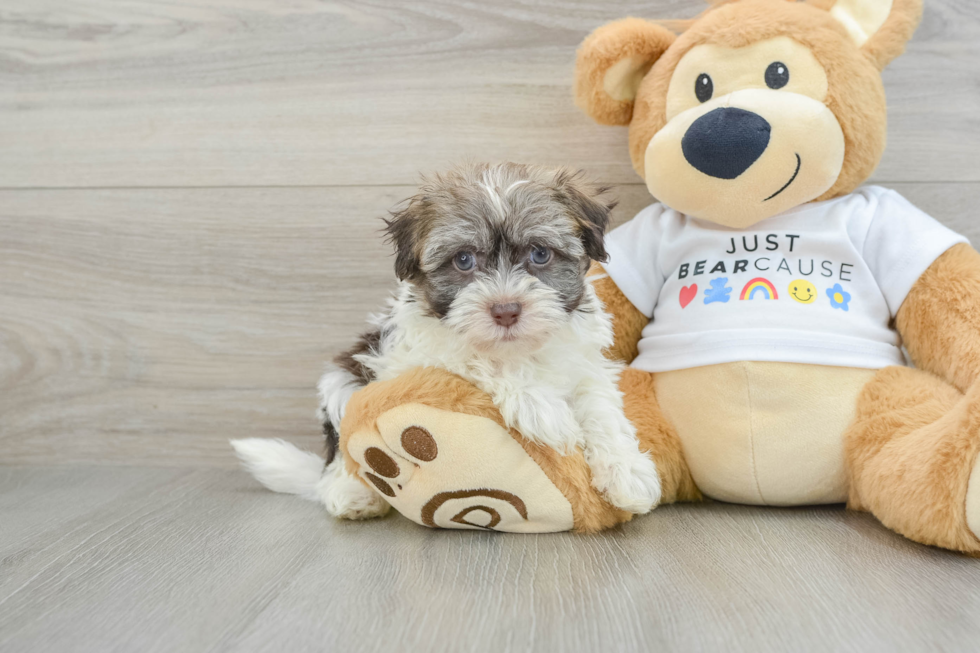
<point x="910" y="452"/>
<point x="940" y="319"/>
<point x="657" y="436"/>
<point x="605" y="47"/>
<point x="440" y="389"/>
<point x="889" y="41"/>
<point x="628" y="321"/>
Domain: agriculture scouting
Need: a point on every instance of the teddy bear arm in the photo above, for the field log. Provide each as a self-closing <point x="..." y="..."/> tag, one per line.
<point x="940" y="318"/>
<point x="628" y="321"/>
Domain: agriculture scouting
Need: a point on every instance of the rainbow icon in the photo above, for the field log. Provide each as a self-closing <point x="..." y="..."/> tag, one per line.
<point x="759" y="287"/>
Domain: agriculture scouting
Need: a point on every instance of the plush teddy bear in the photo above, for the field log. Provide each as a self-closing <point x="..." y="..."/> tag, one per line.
<point x="763" y="304"/>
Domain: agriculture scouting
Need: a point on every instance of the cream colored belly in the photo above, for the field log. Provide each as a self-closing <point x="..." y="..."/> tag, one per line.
<point x="764" y="433"/>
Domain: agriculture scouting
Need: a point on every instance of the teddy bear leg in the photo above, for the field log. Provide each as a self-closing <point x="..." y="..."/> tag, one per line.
<point x="436" y="448"/>
<point x="657" y="437"/>
<point x="911" y="452"/>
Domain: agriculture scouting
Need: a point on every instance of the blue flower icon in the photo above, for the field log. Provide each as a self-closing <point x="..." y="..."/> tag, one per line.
<point x="839" y="298"/>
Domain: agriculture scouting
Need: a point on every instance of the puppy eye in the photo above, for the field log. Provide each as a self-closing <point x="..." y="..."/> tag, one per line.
<point x="540" y="255"/>
<point x="777" y="75"/>
<point x="464" y="261"/>
<point x="704" y="88"/>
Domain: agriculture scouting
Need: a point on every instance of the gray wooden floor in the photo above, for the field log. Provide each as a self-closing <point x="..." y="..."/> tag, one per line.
<point x="190" y="198"/>
<point x="167" y="559"/>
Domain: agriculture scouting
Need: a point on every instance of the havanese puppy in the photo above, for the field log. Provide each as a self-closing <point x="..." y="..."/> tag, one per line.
<point x="492" y="263"/>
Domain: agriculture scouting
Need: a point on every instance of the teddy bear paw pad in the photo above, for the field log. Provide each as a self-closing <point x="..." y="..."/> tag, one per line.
<point x="454" y="470"/>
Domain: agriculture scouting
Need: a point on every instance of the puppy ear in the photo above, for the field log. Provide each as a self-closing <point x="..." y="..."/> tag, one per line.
<point x="404" y="231"/>
<point x="881" y="28"/>
<point x="589" y="206"/>
<point x="612" y="62"/>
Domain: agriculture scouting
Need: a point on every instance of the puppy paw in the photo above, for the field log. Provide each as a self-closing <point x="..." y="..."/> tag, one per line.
<point x="344" y="496"/>
<point x="632" y="485"/>
<point x="542" y="418"/>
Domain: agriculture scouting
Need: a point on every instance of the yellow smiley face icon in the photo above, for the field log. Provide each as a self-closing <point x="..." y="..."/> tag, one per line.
<point x="803" y="291"/>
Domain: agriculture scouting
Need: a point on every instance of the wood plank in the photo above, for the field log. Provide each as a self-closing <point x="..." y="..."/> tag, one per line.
<point x="221" y="92"/>
<point x="206" y="560"/>
<point x="150" y="326"/>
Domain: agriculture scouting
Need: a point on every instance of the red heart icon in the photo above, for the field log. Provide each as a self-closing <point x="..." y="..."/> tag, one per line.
<point x="688" y="293"/>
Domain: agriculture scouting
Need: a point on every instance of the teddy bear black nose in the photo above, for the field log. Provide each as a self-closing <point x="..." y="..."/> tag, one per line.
<point x="725" y="142"/>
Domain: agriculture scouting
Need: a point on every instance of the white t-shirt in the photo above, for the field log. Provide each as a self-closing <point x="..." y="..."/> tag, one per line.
<point x="818" y="284"/>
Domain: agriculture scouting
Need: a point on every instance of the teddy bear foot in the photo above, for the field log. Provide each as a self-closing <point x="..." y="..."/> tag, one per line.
<point x="913" y="458"/>
<point x="453" y="470"/>
<point x="973" y="500"/>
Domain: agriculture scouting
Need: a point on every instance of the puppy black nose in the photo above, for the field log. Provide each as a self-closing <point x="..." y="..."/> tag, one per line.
<point x="725" y="142"/>
<point x="506" y="314"/>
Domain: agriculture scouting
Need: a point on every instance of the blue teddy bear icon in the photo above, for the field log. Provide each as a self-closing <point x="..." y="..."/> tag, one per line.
<point x="718" y="292"/>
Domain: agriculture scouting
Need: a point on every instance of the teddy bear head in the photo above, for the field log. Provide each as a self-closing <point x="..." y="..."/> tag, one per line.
<point x="758" y="106"/>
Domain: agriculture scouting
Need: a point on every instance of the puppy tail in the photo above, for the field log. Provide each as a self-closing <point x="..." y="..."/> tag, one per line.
<point x="280" y="466"/>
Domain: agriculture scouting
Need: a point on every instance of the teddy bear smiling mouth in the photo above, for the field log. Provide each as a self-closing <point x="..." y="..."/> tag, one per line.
<point x="799" y="164"/>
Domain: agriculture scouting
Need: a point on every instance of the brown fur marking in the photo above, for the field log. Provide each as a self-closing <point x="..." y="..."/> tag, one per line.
<point x="346" y="361"/>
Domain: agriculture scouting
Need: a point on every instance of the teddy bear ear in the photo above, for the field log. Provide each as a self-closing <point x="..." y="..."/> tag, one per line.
<point x="881" y="28"/>
<point x="612" y="62"/>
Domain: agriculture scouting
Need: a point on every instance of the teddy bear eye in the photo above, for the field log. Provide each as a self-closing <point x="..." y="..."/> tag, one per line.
<point x="777" y="75"/>
<point x="704" y="88"/>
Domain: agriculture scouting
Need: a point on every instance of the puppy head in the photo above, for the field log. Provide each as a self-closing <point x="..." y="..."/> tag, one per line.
<point x="500" y="252"/>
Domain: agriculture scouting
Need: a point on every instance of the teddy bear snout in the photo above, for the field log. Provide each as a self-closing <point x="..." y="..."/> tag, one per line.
<point x="725" y="142"/>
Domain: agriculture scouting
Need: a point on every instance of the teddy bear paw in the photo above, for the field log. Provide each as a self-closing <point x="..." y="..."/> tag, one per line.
<point x="454" y="470"/>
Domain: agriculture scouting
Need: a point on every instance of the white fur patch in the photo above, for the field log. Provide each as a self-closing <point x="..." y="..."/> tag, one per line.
<point x="542" y="314"/>
<point x="334" y="390"/>
<point x="280" y="466"/>
<point x="346" y="497"/>
<point x="515" y="185"/>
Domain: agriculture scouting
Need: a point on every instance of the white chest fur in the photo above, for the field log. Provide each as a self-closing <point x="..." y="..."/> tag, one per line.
<point x="561" y="370"/>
